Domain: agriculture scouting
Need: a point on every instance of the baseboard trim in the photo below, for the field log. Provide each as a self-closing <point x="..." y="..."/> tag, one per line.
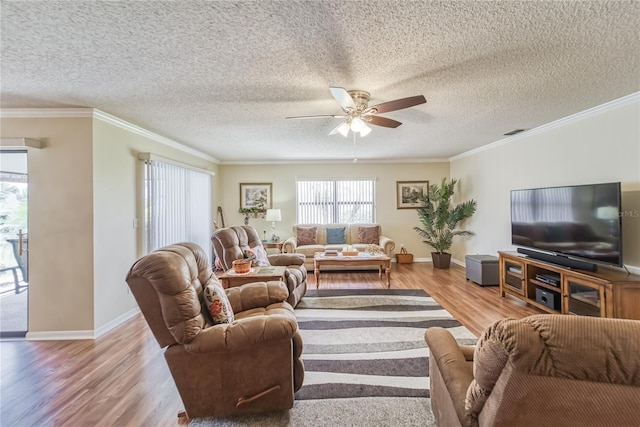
<point x="453" y="260"/>
<point x="116" y="322"/>
<point x="59" y="335"/>
<point x="81" y="335"/>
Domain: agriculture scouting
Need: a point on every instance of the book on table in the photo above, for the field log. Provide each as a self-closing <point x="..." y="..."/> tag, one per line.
<point x="330" y="252"/>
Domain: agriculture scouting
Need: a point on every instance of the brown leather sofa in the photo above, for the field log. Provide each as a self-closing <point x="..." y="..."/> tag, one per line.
<point x="250" y="365"/>
<point x="230" y="243"/>
<point x="543" y="370"/>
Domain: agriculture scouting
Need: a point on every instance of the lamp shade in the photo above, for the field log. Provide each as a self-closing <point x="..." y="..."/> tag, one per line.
<point x="357" y="124"/>
<point x="344" y="129"/>
<point x="365" y="130"/>
<point x="273" y="215"/>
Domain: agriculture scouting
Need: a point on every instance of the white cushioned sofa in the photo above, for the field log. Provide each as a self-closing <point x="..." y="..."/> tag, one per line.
<point x="308" y="239"/>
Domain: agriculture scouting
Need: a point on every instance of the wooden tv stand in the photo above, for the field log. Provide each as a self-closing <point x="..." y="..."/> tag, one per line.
<point x="556" y="289"/>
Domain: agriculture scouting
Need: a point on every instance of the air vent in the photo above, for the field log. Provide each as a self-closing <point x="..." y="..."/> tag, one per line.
<point x="513" y="132"/>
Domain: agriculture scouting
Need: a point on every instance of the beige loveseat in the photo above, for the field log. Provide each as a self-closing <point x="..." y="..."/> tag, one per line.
<point x="543" y="370"/>
<point x="326" y="236"/>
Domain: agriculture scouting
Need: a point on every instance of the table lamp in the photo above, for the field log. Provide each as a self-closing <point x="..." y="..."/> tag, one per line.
<point x="274" y="216"/>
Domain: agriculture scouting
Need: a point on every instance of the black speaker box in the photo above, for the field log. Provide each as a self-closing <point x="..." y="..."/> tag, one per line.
<point x="548" y="298"/>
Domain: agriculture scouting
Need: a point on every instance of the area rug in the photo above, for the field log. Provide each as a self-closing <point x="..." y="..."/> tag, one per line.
<point x="366" y="361"/>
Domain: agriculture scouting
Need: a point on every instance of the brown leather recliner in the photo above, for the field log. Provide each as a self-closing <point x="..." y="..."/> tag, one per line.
<point x="230" y="243"/>
<point x="250" y="365"/>
<point x="543" y="370"/>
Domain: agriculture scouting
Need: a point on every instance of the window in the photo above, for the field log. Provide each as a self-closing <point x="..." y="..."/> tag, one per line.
<point x="177" y="205"/>
<point x="335" y="200"/>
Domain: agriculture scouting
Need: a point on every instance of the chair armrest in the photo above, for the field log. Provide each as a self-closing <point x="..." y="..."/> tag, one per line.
<point x="278" y="323"/>
<point x="257" y="294"/>
<point x="454" y="367"/>
<point x="289" y="245"/>
<point x="284" y="260"/>
<point x="387" y="245"/>
<point x="468" y="352"/>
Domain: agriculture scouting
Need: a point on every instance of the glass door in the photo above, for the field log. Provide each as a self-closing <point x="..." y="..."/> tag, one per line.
<point x="14" y="260"/>
<point x="585" y="299"/>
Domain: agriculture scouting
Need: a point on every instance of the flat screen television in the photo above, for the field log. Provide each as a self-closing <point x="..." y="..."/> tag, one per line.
<point x="581" y="222"/>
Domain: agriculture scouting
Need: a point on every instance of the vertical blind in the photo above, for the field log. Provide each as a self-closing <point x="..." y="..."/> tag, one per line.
<point x="335" y="200"/>
<point x="177" y="205"/>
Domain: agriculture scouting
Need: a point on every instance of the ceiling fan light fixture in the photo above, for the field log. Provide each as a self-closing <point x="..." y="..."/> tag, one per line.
<point x="357" y="124"/>
<point x="365" y="130"/>
<point x="344" y="129"/>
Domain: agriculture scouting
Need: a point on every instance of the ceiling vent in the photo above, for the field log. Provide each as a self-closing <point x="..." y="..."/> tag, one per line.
<point x="513" y="132"/>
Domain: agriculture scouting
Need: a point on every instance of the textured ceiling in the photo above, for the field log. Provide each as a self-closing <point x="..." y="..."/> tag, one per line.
<point x="221" y="77"/>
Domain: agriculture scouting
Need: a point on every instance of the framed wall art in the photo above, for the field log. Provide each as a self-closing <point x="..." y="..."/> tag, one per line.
<point x="256" y="196"/>
<point x="406" y="193"/>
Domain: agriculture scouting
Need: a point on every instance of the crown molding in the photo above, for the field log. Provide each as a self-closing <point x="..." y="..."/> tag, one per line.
<point x="46" y="113"/>
<point x="331" y="161"/>
<point x="108" y="118"/>
<point x="599" y="109"/>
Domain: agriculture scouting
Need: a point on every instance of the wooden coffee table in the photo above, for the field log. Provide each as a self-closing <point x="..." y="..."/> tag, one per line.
<point x="231" y="279"/>
<point x="383" y="263"/>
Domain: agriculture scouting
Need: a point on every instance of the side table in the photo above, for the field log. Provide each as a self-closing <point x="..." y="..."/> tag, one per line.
<point x="269" y="244"/>
<point x="258" y="274"/>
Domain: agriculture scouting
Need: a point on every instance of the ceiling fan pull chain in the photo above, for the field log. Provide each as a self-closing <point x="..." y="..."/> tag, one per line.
<point x="355" y="158"/>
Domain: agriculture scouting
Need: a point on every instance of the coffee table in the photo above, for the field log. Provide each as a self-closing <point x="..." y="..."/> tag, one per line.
<point x="231" y="279"/>
<point x="383" y="263"/>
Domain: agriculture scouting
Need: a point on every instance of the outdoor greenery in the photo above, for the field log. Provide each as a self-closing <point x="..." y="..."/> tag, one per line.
<point x="13" y="217"/>
<point x="439" y="219"/>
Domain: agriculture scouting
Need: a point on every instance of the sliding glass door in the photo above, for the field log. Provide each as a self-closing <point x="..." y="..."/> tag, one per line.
<point x="14" y="243"/>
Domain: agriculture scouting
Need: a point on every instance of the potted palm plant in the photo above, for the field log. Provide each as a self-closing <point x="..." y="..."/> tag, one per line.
<point x="439" y="220"/>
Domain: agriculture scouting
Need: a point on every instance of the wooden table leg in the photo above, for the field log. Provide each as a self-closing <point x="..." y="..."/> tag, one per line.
<point x="388" y="271"/>
<point x="316" y="272"/>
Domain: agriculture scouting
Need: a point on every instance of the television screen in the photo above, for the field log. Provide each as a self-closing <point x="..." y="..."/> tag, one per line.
<point x="581" y="221"/>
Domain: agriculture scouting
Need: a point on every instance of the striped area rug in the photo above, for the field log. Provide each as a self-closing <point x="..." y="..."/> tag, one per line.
<point x="369" y="342"/>
<point x="366" y="361"/>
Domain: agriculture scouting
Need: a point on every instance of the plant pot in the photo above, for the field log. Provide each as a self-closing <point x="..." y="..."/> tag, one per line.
<point x="441" y="260"/>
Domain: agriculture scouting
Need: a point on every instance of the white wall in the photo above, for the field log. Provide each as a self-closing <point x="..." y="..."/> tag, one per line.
<point x="60" y="222"/>
<point x="396" y="223"/>
<point x="600" y="145"/>
<point x="83" y="196"/>
<point x="117" y="175"/>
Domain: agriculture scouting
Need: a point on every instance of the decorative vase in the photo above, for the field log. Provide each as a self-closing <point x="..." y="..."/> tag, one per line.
<point x="246" y="220"/>
<point x="441" y="260"/>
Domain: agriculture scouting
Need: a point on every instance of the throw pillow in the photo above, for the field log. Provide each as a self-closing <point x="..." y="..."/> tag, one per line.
<point x="261" y="256"/>
<point x="369" y="235"/>
<point x="306" y="236"/>
<point x="336" y="236"/>
<point x="218" y="304"/>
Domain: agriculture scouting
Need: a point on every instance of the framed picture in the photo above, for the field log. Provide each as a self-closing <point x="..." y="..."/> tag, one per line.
<point x="406" y="193"/>
<point x="254" y="195"/>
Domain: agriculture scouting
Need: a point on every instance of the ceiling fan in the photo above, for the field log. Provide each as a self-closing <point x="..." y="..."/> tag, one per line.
<point x="357" y="113"/>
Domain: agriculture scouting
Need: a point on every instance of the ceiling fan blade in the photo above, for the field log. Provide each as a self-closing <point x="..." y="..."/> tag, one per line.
<point x="342" y="96"/>
<point x="382" y="121"/>
<point x="397" y="104"/>
<point x="322" y="116"/>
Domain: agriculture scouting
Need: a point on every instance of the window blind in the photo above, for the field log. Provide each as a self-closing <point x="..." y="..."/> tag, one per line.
<point x="335" y="200"/>
<point x="177" y="203"/>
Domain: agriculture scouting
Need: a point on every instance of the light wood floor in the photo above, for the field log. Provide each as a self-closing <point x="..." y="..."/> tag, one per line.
<point x="121" y="379"/>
